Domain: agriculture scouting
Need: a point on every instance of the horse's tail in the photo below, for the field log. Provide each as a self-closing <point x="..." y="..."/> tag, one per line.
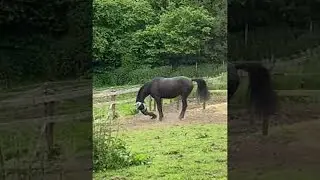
<point x="261" y="93"/>
<point x="202" y="90"/>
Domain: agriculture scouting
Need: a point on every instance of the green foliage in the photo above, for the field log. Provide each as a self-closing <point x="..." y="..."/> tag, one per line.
<point x="279" y="41"/>
<point x="279" y="28"/>
<point x="135" y="41"/>
<point x="114" y="22"/>
<point x="43" y="40"/>
<point x="112" y="153"/>
<point x="133" y="34"/>
<point x="122" y="76"/>
<point x="180" y="32"/>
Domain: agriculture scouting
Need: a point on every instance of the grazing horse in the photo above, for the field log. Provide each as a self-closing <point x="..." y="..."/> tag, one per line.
<point x="167" y="88"/>
<point x="262" y="97"/>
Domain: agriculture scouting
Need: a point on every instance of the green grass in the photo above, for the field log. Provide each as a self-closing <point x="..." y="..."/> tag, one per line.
<point x="218" y="82"/>
<point x="181" y="152"/>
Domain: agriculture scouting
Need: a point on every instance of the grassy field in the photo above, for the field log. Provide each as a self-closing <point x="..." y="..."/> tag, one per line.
<point x="181" y="152"/>
<point x="175" y="152"/>
<point x="128" y="109"/>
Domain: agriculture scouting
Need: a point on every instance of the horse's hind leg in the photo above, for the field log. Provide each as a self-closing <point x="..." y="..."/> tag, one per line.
<point x="184" y="107"/>
<point x="159" y="107"/>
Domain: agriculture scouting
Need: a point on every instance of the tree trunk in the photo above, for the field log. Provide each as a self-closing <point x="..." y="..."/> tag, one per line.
<point x="246" y="35"/>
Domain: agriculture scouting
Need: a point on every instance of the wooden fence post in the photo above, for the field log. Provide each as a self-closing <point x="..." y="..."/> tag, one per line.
<point x="49" y="108"/>
<point x="113" y="105"/>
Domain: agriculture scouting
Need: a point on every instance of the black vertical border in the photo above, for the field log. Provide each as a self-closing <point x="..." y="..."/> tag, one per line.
<point x="46" y="89"/>
<point x="290" y="149"/>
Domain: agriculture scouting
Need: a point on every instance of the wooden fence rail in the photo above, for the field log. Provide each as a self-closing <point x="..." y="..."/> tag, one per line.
<point x="50" y="97"/>
<point x="47" y="96"/>
<point x="152" y="105"/>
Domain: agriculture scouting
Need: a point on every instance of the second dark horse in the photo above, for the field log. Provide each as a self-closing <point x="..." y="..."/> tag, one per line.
<point x="168" y="88"/>
<point x="262" y="97"/>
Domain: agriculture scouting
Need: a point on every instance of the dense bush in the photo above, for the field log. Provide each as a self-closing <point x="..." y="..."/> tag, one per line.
<point x="130" y="34"/>
<point x="273" y="27"/>
<point x="122" y="76"/>
<point x="111" y="153"/>
<point x="43" y="40"/>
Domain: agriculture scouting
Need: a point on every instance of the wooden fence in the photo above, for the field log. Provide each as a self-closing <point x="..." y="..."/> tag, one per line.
<point x="150" y="101"/>
<point x="295" y="58"/>
<point x="49" y="97"/>
<point x="44" y="98"/>
<point x="152" y="105"/>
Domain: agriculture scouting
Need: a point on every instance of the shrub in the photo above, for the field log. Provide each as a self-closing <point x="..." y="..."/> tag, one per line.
<point x="112" y="153"/>
<point x="122" y="76"/>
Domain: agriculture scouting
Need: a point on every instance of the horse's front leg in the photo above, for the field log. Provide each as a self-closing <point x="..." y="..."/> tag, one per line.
<point x="159" y="107"/>
<point x="184" y="108"/>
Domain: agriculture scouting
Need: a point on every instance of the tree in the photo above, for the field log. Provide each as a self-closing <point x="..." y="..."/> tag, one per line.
<point x="181" y="32"/>
<point x="114" y="22"/>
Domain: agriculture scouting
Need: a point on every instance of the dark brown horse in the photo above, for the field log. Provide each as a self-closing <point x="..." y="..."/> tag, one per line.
<point x="167" y="88"/>
<point x="262" y="97"/>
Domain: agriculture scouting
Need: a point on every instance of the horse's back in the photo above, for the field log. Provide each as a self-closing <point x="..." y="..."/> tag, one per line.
<point x="173" y="80"/>
<point x="172" y="87"/>
<point x="182" y="84"/>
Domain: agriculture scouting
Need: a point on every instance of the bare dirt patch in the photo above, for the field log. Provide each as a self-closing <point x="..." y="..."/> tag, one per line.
<point x="195" y="114"/>
<point x="292" y="144"/>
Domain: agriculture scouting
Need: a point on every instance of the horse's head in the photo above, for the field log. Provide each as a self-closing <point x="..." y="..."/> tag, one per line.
<point x="141" y="106"/>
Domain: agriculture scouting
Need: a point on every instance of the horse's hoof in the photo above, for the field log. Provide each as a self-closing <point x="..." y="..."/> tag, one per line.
<point x="153" y="117"/>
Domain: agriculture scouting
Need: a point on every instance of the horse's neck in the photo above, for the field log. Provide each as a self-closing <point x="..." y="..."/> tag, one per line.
<point x="143" y="93"/>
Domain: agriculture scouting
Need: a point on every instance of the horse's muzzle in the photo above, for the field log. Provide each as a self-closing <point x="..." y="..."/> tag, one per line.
<point x="145" y="112"/>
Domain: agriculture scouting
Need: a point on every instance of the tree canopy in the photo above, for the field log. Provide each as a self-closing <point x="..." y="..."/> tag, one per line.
<point x="259" y="29"/>
<point x="44" y="39"/>
<point x="156" y="33"/>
